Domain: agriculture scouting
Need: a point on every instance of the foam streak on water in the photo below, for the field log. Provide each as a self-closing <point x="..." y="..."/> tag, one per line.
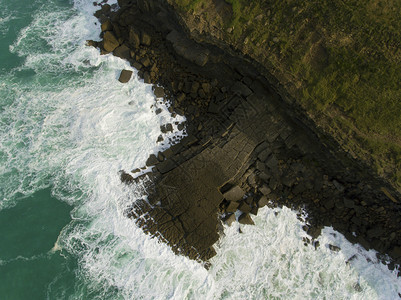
<point x="66" y="122"/>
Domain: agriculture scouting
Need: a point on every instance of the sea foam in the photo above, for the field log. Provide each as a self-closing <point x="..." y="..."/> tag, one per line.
<point x="72" y="126"/>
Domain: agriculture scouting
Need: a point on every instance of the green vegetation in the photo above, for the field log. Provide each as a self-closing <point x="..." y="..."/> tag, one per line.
<point x="343" y="59"/>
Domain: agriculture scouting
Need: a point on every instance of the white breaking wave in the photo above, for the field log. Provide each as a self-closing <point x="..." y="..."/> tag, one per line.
<point x="73" y="126"/>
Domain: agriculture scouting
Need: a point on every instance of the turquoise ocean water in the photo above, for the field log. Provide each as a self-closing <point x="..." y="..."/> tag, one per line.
<point x="67" y="126"/>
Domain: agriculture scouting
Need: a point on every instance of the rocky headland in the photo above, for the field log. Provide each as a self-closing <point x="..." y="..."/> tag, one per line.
<point x="249" y="144"/>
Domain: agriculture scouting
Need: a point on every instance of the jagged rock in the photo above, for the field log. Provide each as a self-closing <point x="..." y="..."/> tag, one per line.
<point x="134" y="38"/>
<point x="146" y="77"/>
<point x="263" y="201"/>
<point x="265" y="190"/>
<point x="159" y="92"/>
<point x="107" y="26"/>
<point x="146" y="39"/>
<point x="254" y="210"/>
<point x="245" y="207"/>
<point x="152" y="160"/>
<point x="91" y="43"/>
<point x="145" y="61"/>
<point x="232" y="207"/>
<point x="160" y="139"/>
<point x="126" y="178"/>
<point x="180" y="97"/>
<point x="252" y="179"/>
<point x="180" y="126"/>
<point x="188" y="181"/>
<point x="137" y="65"/>
<point x="122" y="51"/>
<point x="314" y="232"/>
<point x="105" y="8"/>
<point x="168" y="153"/>
<point x="334" y="248"/>
<point x="272" y="163"/>
<point x="166" y="128"/>
<point x="229" y="219"/>
<point x="125" y="76"/>
<point x="260" y="166"/>
<point x="160" y="156"/>
<point x="110" y="41"/>
<point x="245" y="219"/>
<point x="234" y="194"/>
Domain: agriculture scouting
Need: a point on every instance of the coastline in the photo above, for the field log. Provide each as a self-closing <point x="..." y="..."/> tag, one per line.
<point x="243" y="140"/>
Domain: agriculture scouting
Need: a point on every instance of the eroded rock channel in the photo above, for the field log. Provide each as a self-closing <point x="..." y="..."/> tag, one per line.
<point x="246" y="147"/>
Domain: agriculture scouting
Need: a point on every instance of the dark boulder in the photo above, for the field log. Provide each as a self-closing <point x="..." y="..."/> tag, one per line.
<point x="145" y="61"/>
<point x="107" y="26"/>
<point x="110" y="41"/>
<point x="265" y="190"/>
<point x="125" y="76"/>
<point x="245" y="219"/>
<point x="234" y="194"/>
<point x="146" y="77"/>
<point x="126" y="178"/>
<point x="232" y="207"/>
<point x="152" y="160"/>
<point x="122" y="51"/>
<point x="263" y="201"/>
<point x="134" y="38"/>
<point x="105" y="8"/>
<point x="229" y="219"/>
<point x="159" y="92"/>
<point x="245" y="207"/>
<point x="91" y="43"/>
<point x="146" y="40"/>
<point x="334" y="248"/>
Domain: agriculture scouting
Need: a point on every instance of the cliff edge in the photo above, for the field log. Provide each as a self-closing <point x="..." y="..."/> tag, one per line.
<point x="339" y="61"/>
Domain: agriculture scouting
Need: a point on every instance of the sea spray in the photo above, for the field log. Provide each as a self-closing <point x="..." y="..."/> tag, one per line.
<point x="68" y="124"/>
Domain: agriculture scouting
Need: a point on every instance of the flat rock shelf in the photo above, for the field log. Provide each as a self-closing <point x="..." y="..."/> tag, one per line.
<point x="246" y="147"/>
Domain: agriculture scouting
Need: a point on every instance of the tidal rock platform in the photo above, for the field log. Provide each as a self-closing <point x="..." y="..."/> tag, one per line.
<point x="246" y="147"/>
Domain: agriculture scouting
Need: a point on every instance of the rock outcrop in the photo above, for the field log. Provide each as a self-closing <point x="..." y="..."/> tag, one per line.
<point x="246" y="148"/>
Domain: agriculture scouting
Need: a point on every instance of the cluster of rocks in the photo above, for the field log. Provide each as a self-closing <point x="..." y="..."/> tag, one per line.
<point x="245" y="147"/>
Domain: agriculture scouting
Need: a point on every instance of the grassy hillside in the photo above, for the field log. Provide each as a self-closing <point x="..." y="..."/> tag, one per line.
<point x="341" y="60"/>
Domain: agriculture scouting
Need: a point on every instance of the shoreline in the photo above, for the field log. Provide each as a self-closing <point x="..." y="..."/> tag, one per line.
<point x="246" y="147"/>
